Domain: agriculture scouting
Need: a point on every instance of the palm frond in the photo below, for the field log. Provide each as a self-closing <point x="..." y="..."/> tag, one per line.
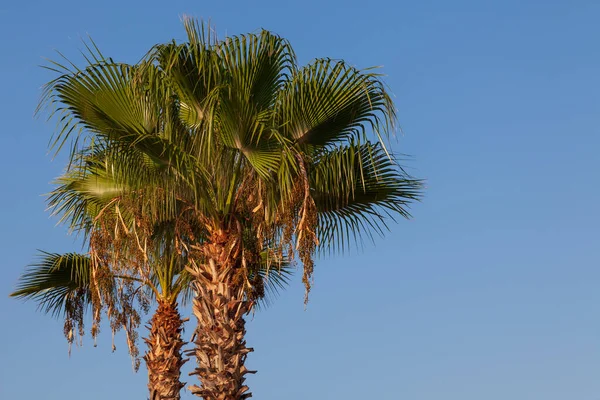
<point x="329" y="102"/>
<point x="276" y="276"/>
<point x="54" y="280"/>
<point x="356" y="189"/>
<point x="99" y="99"/>
<point x="256" y="68"/>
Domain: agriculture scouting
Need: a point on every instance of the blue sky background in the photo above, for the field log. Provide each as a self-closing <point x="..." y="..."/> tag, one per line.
<point x="490" y="292"/>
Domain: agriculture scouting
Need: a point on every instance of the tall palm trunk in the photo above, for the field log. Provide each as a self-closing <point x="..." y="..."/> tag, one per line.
<point x="164" y="358"/>
<point x="220" y="306"/>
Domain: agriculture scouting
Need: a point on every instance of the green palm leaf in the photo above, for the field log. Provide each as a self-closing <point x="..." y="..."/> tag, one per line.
<point x="55" y="280"/>
<point x="257" y="67"/>
<point x="329" y="102"/>
<point x="356" y="188"/>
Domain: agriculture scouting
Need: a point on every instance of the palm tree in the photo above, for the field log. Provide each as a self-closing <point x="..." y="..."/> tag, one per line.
<point x="290" y="147"/>
<point x="62" y="284"/>
<point x="259" y="152"/>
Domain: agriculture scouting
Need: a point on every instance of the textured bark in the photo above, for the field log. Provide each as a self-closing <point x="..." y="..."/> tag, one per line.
<point x="163" y="358"/>
<point x="220" y="307"/>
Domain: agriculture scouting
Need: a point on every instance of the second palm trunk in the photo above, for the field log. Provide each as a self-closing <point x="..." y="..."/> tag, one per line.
<point x="163" y="358"/>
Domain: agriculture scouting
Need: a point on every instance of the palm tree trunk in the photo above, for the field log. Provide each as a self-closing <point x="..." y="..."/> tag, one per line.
<point x="164" y="358"/>
<point x="220" y="306"/>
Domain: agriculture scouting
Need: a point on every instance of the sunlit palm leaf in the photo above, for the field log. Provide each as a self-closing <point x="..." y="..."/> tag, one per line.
<point x="329" y="102"/>
<point x="256" y="68"/>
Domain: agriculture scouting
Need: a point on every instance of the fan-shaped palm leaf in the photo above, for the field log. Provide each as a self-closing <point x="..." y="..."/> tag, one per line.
<point x="55" y="280"/>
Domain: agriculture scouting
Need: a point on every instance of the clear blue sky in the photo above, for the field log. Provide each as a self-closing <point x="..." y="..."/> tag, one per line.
<point x="490" y="292"/>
